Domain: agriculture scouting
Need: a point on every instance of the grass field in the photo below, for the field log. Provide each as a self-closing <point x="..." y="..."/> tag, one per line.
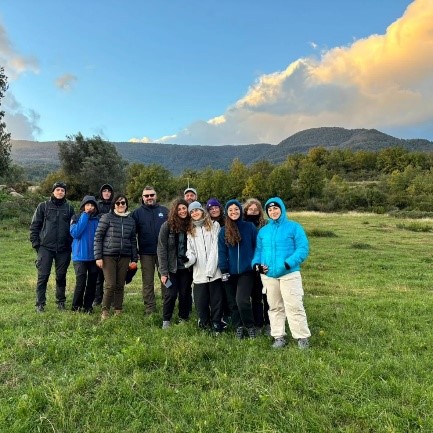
<point x="369" y="300"/>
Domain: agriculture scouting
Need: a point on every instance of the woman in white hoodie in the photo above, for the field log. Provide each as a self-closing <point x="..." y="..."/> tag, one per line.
<point x="202" y="254"/>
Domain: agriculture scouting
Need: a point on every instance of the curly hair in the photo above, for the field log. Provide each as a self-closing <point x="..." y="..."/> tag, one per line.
<point x="207" y="224"/>
<point x="232" y="235"/>
<point x="175" y="222"/>
<point x="248" y="204"/>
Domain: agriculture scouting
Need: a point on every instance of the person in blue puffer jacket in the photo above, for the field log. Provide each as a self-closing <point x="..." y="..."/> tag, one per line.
<point x="236" y="244"/>
<point x="282" y="246"/>
<point x="83" y="229"/>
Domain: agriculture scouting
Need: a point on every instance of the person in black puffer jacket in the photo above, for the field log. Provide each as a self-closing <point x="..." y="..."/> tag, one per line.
<point x="115" y="248"/>
<point x="104" y="205"/>
<point x="50" y="237"/>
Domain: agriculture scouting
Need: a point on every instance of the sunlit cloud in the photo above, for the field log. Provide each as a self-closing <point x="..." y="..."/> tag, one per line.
<point x="13" y="62"/>
<point x="382" y="81"/>
<point x="66" y="81"/>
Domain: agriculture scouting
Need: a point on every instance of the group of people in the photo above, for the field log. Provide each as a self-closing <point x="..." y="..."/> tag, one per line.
<point x="239" y="269"/>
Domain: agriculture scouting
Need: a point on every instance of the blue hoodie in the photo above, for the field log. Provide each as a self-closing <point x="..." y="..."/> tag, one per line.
<point x="83" y="230"/>
<point x="237" y="259"/>
<point x="281" y="242"/>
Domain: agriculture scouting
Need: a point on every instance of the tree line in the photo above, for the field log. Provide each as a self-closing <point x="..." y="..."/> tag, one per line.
<point x="323" y="180"/>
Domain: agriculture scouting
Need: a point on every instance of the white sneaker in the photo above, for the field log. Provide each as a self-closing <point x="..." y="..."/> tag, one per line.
<point x="279" y="343"/>
<point x="303" y="343"/>
<point x="166" y="324"/>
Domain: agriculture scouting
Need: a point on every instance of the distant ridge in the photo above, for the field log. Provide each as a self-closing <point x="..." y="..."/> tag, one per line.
<point x="177" y="158"/>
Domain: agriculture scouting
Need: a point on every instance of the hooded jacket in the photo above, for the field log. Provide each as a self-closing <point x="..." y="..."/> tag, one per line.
<point x="83" y="229"/>
<point x="105" y="205"/>
<point x="236" y="259"/>
<point x="281" y="242"/>
<point x="148" y="220"/>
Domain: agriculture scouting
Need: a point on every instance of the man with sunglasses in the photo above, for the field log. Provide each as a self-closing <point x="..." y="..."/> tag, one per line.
<point x="149" y="218"/>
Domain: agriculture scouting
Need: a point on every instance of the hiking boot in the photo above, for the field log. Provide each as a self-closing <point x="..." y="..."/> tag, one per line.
<point x="40" y="308"/>
<point x="202" y="325"/>
<point x="218" y="327"/>
<point x="61" y="306"/>
<point x="251" y="332"/>
<point x="117" y="312"/>
<point x="279" y="343"/>
<point x="303" y="343"/>
<point x="239" y="333"/>
<point x="105" y="315"/>
<point x="166" y="324"/>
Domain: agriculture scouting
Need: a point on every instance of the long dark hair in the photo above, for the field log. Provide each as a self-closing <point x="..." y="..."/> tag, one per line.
<point x="176" y="223"/>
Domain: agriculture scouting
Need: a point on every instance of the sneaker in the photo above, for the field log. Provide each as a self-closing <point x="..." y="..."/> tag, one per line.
<point x="267" y="330"/>
<point x="279" y="343"/>
<point x="202" y="325"/>
<point x="251" y="332"/>
<point x="105" y="315"/>
<point x="61" y="306"/>
<point x="97" y="303"/>
<point x="303" y="343"/>
<point x="239" y="333"/>
<point x="218" y="327"/>
<point x="40" y="308"/>
<point x="166" y="324"/>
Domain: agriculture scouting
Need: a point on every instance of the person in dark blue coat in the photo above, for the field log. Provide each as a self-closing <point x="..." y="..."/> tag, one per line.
<point x="83" y="229"/>
<point x="236" y="244"/>
<point x="149" y="218"/>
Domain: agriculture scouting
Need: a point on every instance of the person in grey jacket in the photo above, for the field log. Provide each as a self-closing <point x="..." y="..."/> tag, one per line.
<point x="171" y="250"/>
<point x="115" y="250"/>
<point x="50" y="237"/>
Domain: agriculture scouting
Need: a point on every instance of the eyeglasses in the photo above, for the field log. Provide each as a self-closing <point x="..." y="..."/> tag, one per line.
<point x="148" y="195"/>
<point x="120" y="203"/>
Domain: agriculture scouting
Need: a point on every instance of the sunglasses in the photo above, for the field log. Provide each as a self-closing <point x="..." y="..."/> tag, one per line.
<point x="148" y="195"/>
<point x="120" y="203"/>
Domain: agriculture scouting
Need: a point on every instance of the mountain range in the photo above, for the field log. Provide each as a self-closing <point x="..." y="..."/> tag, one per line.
<point x="177" y="158"/>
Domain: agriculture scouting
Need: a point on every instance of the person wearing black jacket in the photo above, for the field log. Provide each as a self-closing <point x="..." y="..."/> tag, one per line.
<point x="104" y="206"/>
<point x="50" y="237"/>
<point x="115" y="247"/>
<point x="149" y="218"/>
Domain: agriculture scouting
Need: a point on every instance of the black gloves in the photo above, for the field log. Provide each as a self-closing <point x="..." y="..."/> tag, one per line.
<point x="286" y="266"/>
<point x="259" y="268"/>
<point x="183" y="259"/>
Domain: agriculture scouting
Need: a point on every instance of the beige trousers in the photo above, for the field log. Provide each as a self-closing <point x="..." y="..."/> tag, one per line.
<point x="285" y="299"/>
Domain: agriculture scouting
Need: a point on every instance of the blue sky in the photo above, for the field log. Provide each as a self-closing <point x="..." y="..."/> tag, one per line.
<point x="215" y="72"/>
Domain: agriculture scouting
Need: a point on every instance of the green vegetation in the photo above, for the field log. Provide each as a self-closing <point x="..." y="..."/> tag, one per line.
<point x="368" y="369"/>
<point x="5" y="137"/>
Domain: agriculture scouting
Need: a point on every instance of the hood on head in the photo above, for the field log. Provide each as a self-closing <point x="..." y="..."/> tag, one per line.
<point x="280" y="204"/>
<point x="106" y="186"/>
<point x="89" y="199"/>
<point x="237" y="203"/>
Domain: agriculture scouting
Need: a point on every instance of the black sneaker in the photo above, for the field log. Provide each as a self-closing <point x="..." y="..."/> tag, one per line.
<point x="251" y="332"/>
<point x="40" y="308"/>
<point x="61" y="306"/>
<point x="239" y="333"/>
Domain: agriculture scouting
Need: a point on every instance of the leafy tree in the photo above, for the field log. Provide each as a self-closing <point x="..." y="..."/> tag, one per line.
<point x="5" y="137"/>
<point x="237" y="176"/>
<point x="90" y="162"/>
<point x="280" y="182"/>
<point x="140" y="175"/>
<point x="311" y="181"/>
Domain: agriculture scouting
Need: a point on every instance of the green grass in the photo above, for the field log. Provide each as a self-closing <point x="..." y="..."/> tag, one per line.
<point x="368" y="369"/>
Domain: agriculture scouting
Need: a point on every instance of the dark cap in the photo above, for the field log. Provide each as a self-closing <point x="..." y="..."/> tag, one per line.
<point x="58" y="184"/>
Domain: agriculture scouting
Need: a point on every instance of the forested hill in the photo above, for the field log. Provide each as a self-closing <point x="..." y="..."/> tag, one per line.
<point x="177" y="158"/>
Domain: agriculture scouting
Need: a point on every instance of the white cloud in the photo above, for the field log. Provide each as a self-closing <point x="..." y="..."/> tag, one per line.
<point x="66" y="81"/>
<point x="20" y="122"/>
<point x="382" y="81"/>
<point x="14" y="63"/>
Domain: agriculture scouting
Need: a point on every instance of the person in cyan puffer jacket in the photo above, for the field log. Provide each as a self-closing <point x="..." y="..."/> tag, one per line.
<point x="282" y="246"/>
